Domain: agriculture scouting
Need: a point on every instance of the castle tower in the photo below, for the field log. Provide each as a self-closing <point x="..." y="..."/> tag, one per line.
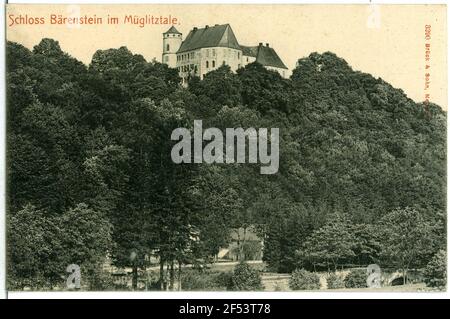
<point x="172" y="39"/>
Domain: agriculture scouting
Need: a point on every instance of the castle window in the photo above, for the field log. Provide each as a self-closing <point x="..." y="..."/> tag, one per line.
<point x="239" y="55"/>
<point x="213" y="64"/>
<point x="207" y="53"/>
<point x="214" y="52"/>
<point x="207" y="64"/>
<point x="167" y="47"/>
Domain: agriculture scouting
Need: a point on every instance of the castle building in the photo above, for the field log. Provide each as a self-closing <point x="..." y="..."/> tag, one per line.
<point x="208" y="48"/>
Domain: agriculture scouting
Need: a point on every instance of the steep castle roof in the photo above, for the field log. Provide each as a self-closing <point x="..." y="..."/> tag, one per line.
<point x="172" y="30"/>
<point x="264" y="55"/>
<point x="215" y="36"/>
<point x="249" y="51"/>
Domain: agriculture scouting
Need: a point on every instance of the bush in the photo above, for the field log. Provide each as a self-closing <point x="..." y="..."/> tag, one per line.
<point x="302" y="279"/>
<point x="356" y="279"/>
<point x="193" y="279"/>
<point x="100" y="280"/>
<point x="246" y="278"/>
<point x="335" y="281"/>
<point x="435" y="273"/>
<point x="225" y="279"/>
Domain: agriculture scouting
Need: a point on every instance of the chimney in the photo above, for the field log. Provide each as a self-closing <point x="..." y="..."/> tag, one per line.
<point x="260" y="44"/>
<point x="267" y="44"/>
<point x="206" y="26"/>
<point x="195" y="29"/>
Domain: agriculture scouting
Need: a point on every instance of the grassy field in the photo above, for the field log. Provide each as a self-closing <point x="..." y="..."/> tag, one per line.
<point x="402" y="288"/>
<point x="280" y="282"/>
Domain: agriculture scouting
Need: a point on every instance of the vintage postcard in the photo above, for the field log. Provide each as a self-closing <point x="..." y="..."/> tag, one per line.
<point x="226" y="147"/>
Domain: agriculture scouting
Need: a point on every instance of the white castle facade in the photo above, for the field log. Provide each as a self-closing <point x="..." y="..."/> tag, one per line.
<point x="208" y="48"/>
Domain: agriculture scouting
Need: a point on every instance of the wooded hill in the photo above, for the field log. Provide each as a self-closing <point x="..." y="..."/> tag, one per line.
<point x="90" y="176"/>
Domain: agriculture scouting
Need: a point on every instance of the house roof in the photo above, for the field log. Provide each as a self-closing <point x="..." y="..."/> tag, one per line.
<point x="249" y="51"/>
<point x="215" y="36"/>
<point x="264" y="55"/>
<point x="172" y="30"/>
<point x="268" y="57"/>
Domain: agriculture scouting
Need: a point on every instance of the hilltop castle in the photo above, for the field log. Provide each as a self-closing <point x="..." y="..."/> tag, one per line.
<point x="208" y="48"/>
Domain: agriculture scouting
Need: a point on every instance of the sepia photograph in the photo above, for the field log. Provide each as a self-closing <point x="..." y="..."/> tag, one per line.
<point x="226" y="148"/>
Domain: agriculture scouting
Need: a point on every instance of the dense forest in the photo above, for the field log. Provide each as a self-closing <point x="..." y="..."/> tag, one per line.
<point x="362" y="175"/>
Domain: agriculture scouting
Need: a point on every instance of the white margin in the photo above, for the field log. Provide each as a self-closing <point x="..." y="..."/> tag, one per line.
<point x="192" y="295"/>
<point x="3" y="292"/>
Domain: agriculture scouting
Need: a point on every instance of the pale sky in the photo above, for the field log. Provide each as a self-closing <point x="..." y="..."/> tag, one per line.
<point x="387" y="41"/>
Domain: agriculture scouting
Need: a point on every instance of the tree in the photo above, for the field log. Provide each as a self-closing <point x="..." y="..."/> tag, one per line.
<point x="405" y="239"/>
<point x="330" y="244"/>
<point x="161" y="218"/>
<point x="263" y="90"/>
<point x="286" y="229"/>
<point x="436" y="270"/>
<point x="222" y="86"/>
<point x="33" y="250"/>
<point x="367" y="246"/>
<point x="41" y="246"/>
<point x="86" y="239"/>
